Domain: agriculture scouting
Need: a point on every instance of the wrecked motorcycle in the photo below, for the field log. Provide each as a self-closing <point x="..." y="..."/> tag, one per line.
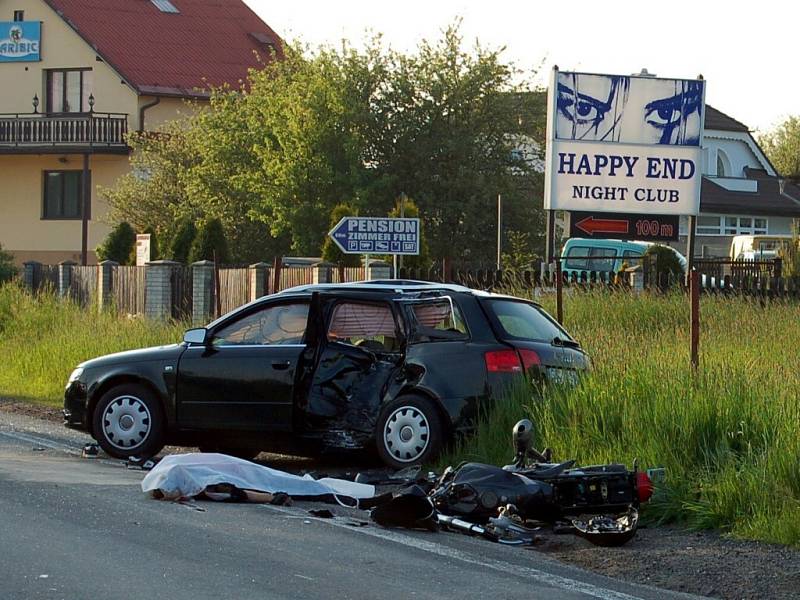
<point x="599" y="503"/>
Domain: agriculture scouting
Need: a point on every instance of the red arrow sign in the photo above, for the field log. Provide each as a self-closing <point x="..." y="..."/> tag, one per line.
<point x="591" y="226"/>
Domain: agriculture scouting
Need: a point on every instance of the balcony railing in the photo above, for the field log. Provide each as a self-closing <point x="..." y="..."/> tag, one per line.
<point x="81" y="130"/>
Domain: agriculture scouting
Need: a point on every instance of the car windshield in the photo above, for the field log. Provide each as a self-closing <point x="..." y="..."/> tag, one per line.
<point x="522" y="320"/>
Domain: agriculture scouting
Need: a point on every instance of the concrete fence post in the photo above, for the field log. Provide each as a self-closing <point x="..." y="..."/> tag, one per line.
<point x="158" y="289"/>
<point x="31" y="274"/>
<point x="378" y="270"/>
<point x="202" y="291"/>
<point x="322" y="273"/>
<point x="257" y="275"/>
<point x="105" y="283"/>
<point x="66" y="270"/>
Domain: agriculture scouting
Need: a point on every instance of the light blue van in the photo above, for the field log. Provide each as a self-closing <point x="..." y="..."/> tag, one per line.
<point x="602" y="256"/>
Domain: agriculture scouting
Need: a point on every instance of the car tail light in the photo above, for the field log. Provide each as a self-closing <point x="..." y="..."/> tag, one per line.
<point x="502" y="361"/>
<point x="529" y="358"/>
<point x="644" y="487"/>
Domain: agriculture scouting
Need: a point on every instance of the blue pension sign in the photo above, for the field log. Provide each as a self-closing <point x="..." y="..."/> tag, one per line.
<point x="20" y="41"/>
<point x="625" y="144"/>
<point x="376" y="235"/>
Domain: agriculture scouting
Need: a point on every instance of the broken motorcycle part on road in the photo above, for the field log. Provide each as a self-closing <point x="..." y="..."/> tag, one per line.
<point x="600" y="503"/>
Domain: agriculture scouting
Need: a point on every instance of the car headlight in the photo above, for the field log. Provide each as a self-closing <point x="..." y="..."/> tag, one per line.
<point x="75" y="375"/>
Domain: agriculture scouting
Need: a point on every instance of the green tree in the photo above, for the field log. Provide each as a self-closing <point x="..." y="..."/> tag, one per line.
<point x="273" y="158"/>
<point x="782" y="147"/>
<point x="519" y="255"/>
<point x="330" y="251"/>
<point x="210" y="243"/>
<point x="7" y="269"/>
<point x="181" y="245"/>
<point x="118" y="245"/>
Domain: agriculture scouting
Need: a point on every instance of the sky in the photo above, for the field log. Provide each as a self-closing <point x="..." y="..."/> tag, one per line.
<point x="747" y="52"/>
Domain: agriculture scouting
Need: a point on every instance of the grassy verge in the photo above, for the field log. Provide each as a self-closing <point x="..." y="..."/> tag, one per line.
<point x="42" y="339"/>
<point x="729" y="436"/>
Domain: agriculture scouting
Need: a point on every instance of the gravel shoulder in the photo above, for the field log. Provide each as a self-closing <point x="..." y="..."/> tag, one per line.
<point x="702" y="563"/>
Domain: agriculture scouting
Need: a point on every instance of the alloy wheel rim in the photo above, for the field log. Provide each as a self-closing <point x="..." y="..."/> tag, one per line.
<point x="407" y="434"/>
<point x="126" y="422"/>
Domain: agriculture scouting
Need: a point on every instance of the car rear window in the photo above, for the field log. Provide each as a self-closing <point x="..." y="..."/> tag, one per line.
<point x="525" y="321"/>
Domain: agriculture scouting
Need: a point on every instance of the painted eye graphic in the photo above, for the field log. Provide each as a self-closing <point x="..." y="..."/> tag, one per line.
<point x="663" y="116"/>
<point x="580" y="108"/>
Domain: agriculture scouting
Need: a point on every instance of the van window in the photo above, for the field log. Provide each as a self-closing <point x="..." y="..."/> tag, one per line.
<point x="604" y="261"/>
<point x="586" y="258"/>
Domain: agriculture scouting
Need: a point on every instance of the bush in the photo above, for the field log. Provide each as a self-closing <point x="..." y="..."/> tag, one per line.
<point x="7" y="269"/>
<point x="118" y="245"/>
<point x="210" y="240"/>
<point x="668" y="267"/>
<point x="181" y="245"/>
<point x="330" y="251"/>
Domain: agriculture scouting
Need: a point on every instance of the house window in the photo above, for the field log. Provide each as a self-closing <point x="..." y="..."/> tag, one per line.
<point x="708" y="225"/>
<point x="165" y="6"/>
<point x="68" y="90"/>
<point x="719" y="225"/>
<point x="720" y="166"/>
<point x="62" y="195"/>
<point x="19" y="15"/>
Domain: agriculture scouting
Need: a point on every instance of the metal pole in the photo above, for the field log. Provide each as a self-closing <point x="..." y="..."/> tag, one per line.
<point x="694" y="294"/>
<point x="690" y="246"/>
<point x="86" y="200"/>
<point x="559" y="294"/>
<point x="402" y="216"/>
<point x="549" y="252"/>
<point x="499" y="230"/>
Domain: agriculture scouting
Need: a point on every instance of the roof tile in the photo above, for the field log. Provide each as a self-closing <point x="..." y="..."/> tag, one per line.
<point x="209" y="42"/>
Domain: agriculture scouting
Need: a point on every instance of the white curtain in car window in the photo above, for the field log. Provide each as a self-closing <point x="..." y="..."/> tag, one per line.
<point x="350" y="320"/>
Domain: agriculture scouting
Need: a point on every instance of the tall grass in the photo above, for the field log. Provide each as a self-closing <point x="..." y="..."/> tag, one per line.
<point x="728" y="435"/>
<point x="43" y="338"/>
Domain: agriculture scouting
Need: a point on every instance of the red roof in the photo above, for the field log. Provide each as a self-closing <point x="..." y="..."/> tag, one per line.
<point x="208" y="42"/>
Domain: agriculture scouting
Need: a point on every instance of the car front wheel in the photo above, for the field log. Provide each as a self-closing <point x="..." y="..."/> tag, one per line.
<point x="129" y="421"/>
<point x="409" y="432"/>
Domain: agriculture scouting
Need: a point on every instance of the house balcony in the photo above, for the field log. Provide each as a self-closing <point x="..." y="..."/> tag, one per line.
<point x="75" y="133"/>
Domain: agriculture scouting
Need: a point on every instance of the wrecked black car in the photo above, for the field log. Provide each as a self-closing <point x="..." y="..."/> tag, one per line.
<point x="398" y="365"/>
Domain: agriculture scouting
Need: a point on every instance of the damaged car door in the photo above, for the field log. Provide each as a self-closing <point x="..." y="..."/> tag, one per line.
<point x="243" y="376"/>
<point x="355" y="349"/>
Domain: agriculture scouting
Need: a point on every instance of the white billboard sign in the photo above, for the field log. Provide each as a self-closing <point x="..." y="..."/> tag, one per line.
<point x="624" y="144"/>
<point x="142" y="249"/>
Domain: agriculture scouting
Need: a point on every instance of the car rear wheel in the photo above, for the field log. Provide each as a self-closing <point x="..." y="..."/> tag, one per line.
<point x="409" y="432"/>
<point x="129" y="421"/>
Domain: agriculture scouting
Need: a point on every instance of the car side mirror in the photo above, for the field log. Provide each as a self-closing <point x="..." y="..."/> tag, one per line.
<point x="197" y="337"/>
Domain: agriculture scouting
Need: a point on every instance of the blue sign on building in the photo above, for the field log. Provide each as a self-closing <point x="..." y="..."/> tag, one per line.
<point x="376" y="235"/>
<point x="20" y="41"/>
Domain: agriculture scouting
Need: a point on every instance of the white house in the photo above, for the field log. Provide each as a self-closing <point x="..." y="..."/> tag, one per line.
<point x="741" y="193"/>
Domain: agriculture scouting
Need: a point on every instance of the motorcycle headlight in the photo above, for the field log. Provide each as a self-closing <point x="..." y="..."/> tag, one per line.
<point x="75" y="375"/>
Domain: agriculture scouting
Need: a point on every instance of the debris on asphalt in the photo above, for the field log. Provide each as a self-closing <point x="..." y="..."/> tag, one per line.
<point x="138" y="463"/>
<point x="321" y="513"/>
<point x="90" y="451"/>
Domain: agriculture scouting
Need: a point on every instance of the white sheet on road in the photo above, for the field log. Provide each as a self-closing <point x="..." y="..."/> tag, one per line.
<point x="187" y="475"/>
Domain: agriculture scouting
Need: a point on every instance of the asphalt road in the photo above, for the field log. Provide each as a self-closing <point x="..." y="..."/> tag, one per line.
<point x="76" y="528"/>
